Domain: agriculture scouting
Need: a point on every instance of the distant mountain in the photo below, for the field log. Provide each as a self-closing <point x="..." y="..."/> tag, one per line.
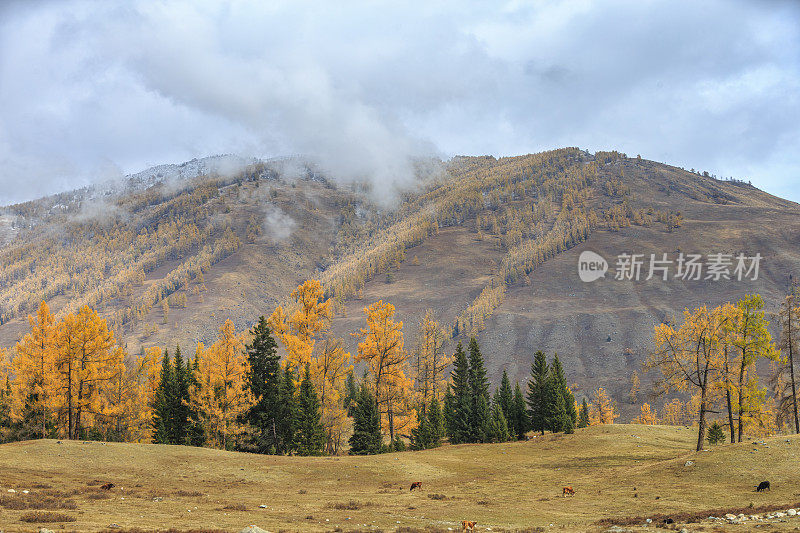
<point x="491" y="246"/>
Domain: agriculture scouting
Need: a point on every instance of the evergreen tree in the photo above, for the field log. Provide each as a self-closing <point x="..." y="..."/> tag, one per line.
<point x="505" y="397"/>
<point x="162" y="404"/>
<point x="366" y="438"/>
<point x="561" y="401"/>
<point x="309" y="435"/>
<point x="537" y="386"/>
<point x="179" y="398"/>
<point x="555" y="414"/>
<point x="435" y="418"/>
<point x="459" y="407"/>
<point x="482" y="419"/>
<point x="350" y="394"/>
<point x="479" y="389"/>
<point x="583" y="418"/>
<point x="264" y="381"/>
<point x="288" y="413"/>
<point x="398" y="445"/>
<point x="520" y="414"/>
<point x="716" y="434"/>
<point x="498" y="426"/>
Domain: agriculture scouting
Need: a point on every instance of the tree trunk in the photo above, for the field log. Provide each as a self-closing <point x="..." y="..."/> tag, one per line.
<point x="741" y="397"/>
<point x="730" y="416"/>
<point x="390" y="415"/>
<point x="791" y="371"/>
<point x="701" y="430"/>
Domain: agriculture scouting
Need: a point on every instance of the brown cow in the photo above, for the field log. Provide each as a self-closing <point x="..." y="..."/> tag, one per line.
<point x="568" y="491"/>
<point x="466" y="525"/>
<point x="107" y="486"/>
<point x="416" y="485"/>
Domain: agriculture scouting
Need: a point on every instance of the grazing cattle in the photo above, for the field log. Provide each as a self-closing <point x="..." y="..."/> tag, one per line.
<point x="567" y="491"/>
<point x="466" y="525"/>
<point x="416" y="485"/>
<point x="669" y="521"/>
<point x="107" y="486"/>
<point x="764" y="485"/>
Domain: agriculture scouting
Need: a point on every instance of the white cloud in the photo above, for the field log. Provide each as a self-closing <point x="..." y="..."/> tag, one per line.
<point x="365" y="87"/>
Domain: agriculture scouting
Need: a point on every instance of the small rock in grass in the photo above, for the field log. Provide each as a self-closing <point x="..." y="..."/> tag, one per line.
<point x="253" y="529"/>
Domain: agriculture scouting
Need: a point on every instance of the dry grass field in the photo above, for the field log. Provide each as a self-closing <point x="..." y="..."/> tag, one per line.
<point x="618" y="472"/>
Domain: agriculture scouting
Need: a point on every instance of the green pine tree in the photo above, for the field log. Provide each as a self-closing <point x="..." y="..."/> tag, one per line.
<point x="179" y="399"/>
<point x="288" y="413"/>
<point x="498" y="426"/>
<point x="479" y="389"/>
<point x="537" y="386"/>
<point x="309" y="435"/>
<point x="519" y="417"/>
<point x="555" y="414"/>
<point x="435" y="418"/>
<point x="506" y="396"/>
<point x="351" y="393"/>
<point x="264" y="381"/>
<point x="366" y="438"/>
<point x="560" y="418"/>
<point x="716" y="433"/>
<point x="163" y="403"/>
<point x="459" y="407"/>
<point x="583" y="417"/>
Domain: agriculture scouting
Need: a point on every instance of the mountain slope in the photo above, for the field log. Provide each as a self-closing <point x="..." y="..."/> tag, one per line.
<point x="490" y="246"/>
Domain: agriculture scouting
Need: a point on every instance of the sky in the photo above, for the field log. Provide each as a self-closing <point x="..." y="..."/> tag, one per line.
<point x="94" y="90"/>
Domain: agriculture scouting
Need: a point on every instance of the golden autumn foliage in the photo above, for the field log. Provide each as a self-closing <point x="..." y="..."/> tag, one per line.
<point x="601" y="410"/>
<point x="382" y="349"/>
<point x="298" y="331"/>
<point x="220" y="393"/>
<point x="430" y="362"/>
<point x="646" y="416"/>
<point x="329" y="371"/>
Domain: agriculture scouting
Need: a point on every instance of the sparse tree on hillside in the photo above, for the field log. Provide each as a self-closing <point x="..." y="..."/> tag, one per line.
<point x="633" y="395"/>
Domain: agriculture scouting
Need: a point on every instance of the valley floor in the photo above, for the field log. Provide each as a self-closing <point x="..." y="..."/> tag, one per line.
<point x="617" y="471"/>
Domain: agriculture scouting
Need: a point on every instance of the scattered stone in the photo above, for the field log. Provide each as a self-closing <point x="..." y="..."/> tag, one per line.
<point x="11" y="490"/>
<point x="791" y="512"/>
<point x="45" y="530"/>
<point x="158" y="499"/>
<point x="262" y="506"/>
<point x="26" y="491"/>
<point x="253" y="529"/>
<point x="780" y="514"/>
<point x="114" y="525"/>
<point x="730" y="516"/>
<point x="689" y="463"/>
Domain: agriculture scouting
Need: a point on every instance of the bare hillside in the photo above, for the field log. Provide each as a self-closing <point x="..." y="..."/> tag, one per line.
<point x="491" y="246"/>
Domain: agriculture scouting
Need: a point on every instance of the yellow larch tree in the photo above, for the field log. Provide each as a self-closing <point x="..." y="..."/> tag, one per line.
<point x="689" y="359"/>
<point x="85" y="362"/>
<point x="34" y="371"/>
<point x="647" y="416"/>
<point x="672" y="414"/>
<point x="430" y="361"/>
<point x="298" y="331"/>
<point x="381" y="348"/>
<point x="221" y="394"/>
<point x="329" y="372"/>
<point x="602" y="409"/>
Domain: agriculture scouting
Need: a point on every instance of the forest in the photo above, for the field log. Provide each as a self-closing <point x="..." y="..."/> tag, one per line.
<point x="287" y="386"/>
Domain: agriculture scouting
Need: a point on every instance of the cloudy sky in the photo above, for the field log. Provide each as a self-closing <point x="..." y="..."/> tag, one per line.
<point x="93" y="90"/>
